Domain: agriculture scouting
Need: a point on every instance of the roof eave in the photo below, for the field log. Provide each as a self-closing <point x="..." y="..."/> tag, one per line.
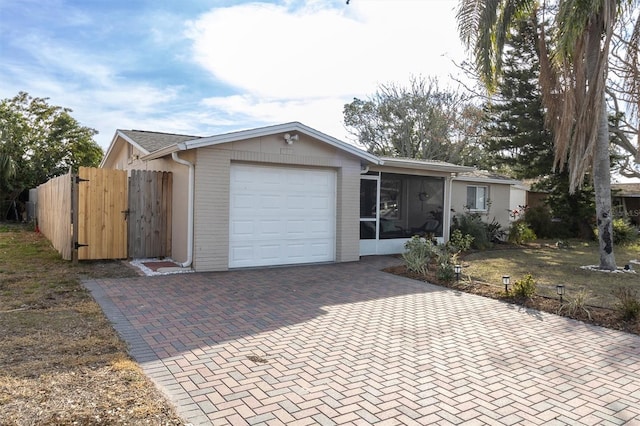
<point x="126" y="138"/>
<point x="163" y="152"/>
<point x="488" y="180"/>
<point x="435" y="167"/>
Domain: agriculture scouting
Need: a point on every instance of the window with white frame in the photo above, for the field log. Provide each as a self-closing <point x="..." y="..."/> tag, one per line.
<point x="477" y="198"/>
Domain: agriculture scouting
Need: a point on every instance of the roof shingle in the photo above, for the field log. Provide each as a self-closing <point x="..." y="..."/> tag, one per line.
<point x="153" y="141"/>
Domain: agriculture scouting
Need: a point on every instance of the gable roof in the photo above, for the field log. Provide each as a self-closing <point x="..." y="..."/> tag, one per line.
<point x="145" y="141"/>
<point x="153" y="141"/>
<point x="260" y="132"/>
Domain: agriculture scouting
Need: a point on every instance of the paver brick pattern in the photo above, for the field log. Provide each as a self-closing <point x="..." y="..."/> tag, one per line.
<point x="348" y="344"/>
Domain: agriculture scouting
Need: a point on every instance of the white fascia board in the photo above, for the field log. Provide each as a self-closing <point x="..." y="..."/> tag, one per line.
<point x="168" y="150"/>
<point x="113" y="143"/>
<point x="488" y="180"/>
<point x="423" y="165"/>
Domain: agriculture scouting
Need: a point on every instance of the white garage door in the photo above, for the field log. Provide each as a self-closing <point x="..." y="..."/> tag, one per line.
<point x="281" y="216"/>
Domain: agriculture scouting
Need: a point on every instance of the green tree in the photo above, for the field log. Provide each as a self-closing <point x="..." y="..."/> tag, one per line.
<point x="421" y="121"/>
<point x="573" y="70"/>
<point x="7" y="167"/>
<point x="40" y="141"/>
<point x="516" y="137"/>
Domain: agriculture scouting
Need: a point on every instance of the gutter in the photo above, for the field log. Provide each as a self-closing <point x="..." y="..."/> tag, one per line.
<point x="174" y="156"/>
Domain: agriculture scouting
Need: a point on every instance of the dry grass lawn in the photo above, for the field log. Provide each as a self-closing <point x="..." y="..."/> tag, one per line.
<point x="61" y="362"/>
<point x="550" y="265"/>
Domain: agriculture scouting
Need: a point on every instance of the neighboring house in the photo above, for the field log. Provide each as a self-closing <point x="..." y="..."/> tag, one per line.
<point x="626" y="199"/>
<point x="289" y="194"/>
<point x="493" y="196"/>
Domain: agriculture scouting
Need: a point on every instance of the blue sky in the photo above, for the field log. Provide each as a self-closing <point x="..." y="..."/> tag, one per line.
<point x="206" y="67"/>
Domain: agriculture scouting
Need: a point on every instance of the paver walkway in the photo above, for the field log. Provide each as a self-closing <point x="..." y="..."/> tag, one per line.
<point x="348" y="344"/>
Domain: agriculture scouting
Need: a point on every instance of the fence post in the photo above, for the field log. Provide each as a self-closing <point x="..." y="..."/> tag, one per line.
<point x="74" y="218"/>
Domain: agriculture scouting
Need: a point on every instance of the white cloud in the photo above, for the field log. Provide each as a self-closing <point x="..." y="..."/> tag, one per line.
<point x="323" y="113"/>
<point x="303" y="60"/>
<point x="272" y="51"/>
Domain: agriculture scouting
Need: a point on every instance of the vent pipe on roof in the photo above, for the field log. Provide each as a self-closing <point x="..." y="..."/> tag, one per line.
<point x="174" y="156"/>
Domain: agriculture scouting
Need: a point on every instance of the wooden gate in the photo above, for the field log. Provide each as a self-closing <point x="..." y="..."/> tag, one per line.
<point x="149" y="214"/>
<point x="100" y="218"/>
<point x="102" y="214"/>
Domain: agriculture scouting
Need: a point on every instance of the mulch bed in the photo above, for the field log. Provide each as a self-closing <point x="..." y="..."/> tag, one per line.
<point x="604" y="317"/>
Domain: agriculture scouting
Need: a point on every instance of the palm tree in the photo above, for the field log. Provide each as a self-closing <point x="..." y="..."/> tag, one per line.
<point x="573" y="72"/>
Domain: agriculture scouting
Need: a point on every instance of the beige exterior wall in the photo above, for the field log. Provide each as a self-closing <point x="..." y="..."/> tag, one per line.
<point x="499" y="196"/>
<point x="211" y="228"/>
<point x="124" y="158"/>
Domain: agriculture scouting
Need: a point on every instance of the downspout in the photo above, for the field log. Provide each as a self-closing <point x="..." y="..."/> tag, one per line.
<point x="446" y="231"/>
<point x="174" y="156"/>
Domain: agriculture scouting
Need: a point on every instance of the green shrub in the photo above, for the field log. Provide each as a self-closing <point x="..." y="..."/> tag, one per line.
<point x="539" y="220"/>
<point x="495" y="233"/>
<point x="520" y="233"/>
<point x="446" y="271"/>
<point x="524" y="288"/>
<point x="624" y="233"/>
<point x="459" y="242"/>
<point x="472" y="224"/>
<point x="419" y="252"/>
<point x="628" y="305"/>
<point x="577" y="303"/>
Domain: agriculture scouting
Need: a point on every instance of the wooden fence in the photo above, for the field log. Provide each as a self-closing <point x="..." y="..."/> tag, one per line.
<point x="53" y="211"/>
<point x="150" y="214"/>
<point x="94" y="215"/>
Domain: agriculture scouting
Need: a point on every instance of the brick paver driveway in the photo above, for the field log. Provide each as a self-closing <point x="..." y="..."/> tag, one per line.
<point x="348" y="344"/>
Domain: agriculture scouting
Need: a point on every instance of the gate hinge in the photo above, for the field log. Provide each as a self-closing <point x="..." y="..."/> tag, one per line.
<point x="78" y="179"/>
<point x="77" y="245"/>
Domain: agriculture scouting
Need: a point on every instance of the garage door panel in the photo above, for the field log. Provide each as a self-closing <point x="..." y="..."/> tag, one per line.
<point x="281" y="215"/>
<point x="242" y="227"/>
<point x="318" y="226"/>
<point x="296" y="202"/>
<point x="271" y="202"/>
<point x="295" y="250"/>
<point x="295" y="228"/>
<point x="241" y="254"/>
<point x="320" y="249"/>
<point x="320" y="203"/>
<point x="270" y="228"/>
<point x="269" y="252"/>
<point x="241" y="201"/>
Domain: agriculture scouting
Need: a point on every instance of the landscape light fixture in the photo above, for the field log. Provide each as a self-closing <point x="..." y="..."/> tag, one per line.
<point x="560" y="291"/>
<point x="506" y="280"/>
<point x="457" y="269"/>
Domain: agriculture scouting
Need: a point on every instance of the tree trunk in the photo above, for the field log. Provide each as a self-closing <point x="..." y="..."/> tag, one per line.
<point x="601" y="159"/>
<point x="602" y="188"/>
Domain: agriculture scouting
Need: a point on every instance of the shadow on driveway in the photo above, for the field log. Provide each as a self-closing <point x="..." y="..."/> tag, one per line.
<point x="348" y="344"/>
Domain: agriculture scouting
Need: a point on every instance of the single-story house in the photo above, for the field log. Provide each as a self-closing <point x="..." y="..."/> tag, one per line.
<point x="289" y="194"/>
<point x="626" y="200"/>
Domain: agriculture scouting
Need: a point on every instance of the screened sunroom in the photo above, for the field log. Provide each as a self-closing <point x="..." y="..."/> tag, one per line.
<point x="402" y="199"/>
